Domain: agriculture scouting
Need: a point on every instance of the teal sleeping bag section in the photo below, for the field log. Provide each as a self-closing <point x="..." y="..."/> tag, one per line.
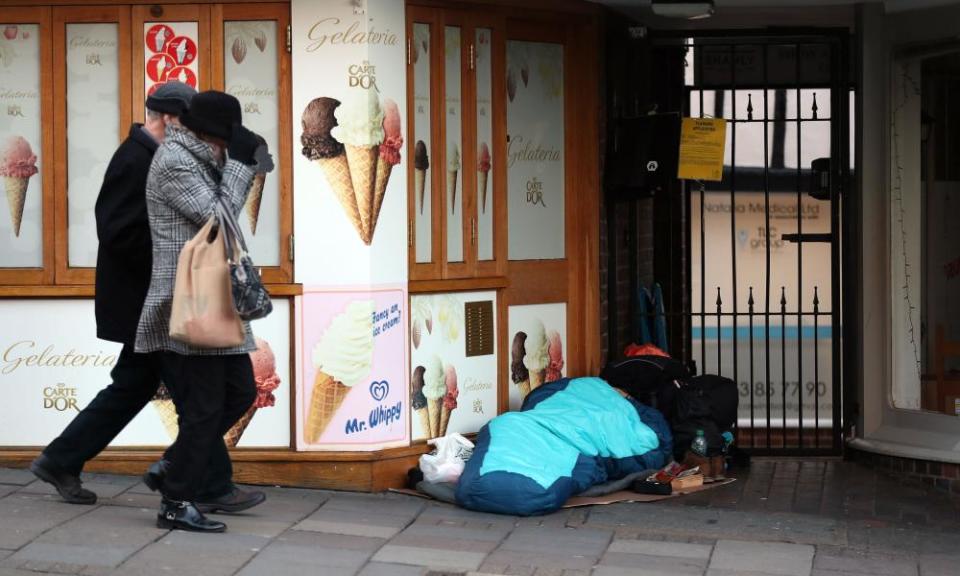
<point x="550" y="438"/>
<point x="570" y="435"/>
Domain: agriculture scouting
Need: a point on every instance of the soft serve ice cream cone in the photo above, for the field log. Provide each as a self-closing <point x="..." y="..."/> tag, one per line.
<point x="321" y="147"/>
<point x="518" y="372"/>
<point x="449" y="399"/>
<point x="389" y="157"/>
<point x="483" y="168"/>
<point x="434" y="389"/>
<point x="453" y="168"/>
<point x="343" y="358"/>
<point x="421" y="163"/>
<point x="418" y="402"/>
<point x="537" y="357"/>
<point x="17" y="164"/>
<point x="360" y="129"/>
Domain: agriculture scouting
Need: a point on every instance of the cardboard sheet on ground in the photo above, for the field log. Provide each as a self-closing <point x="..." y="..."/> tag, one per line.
<point x="613" y="498"/>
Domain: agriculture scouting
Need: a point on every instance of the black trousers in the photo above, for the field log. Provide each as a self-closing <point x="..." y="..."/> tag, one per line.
<point x="135" y="381"/>
<point x="211" y="393"/>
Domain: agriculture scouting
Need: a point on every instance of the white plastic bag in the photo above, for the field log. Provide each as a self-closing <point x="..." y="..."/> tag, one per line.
<point x="445" y="464"/>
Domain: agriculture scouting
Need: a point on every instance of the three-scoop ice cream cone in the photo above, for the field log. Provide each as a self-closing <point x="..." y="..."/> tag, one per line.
<point x="266" y="379"/>
<point x="356" y="144"/>
<point x="434" y="395"/>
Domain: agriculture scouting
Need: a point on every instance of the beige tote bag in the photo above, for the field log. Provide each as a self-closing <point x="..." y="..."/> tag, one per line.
<point x="203" y="314"/>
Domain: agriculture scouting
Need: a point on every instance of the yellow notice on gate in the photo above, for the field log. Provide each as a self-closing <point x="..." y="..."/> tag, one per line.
<point x="702" y="142"/>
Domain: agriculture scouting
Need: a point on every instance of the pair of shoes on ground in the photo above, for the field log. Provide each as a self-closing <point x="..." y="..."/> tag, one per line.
<point x="190" y="516"/>
<point x="173" y="514"/>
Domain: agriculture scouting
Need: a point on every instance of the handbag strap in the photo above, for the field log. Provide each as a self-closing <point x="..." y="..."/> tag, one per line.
<point x="234" y="236"/>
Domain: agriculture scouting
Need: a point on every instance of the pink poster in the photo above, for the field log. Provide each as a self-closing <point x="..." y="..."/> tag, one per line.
<point x="352" y="386"/>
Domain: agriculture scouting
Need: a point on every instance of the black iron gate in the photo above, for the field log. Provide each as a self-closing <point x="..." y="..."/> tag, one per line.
<point x="761" y="290"/>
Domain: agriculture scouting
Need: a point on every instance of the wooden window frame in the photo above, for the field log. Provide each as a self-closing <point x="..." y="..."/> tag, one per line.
<point x="425" y="270"/>
<point x="63" y="16"/>
<point x="280" y="13"/>
<point x="40" y="16"/>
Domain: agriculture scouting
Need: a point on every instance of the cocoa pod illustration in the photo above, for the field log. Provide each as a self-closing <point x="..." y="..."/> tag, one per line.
<point x="511" y="84"/>
<point x="261" y="40"/>
<point x="239" y="50"/>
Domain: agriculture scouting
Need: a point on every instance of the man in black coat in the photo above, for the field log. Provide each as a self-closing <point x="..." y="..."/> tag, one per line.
<point x="123" y="278"/>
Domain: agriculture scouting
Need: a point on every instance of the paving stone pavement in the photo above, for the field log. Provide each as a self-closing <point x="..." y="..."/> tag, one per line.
<point x="782" y="518"/>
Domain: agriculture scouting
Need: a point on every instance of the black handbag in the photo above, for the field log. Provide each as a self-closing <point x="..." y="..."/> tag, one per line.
<point x="250" y="297"/>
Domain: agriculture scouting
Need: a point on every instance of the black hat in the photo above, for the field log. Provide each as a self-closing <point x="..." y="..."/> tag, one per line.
<point x="171" y="98"/>
<point x="213" y="113"/>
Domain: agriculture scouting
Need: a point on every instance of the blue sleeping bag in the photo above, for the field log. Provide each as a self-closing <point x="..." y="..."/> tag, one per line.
<point x="569" y="435"/>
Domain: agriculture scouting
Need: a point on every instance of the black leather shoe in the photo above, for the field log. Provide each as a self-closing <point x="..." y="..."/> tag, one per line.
<point x="236" y="500"/>
<point x="69" y="486"/>
<point x="176" y="515"/>
<point x="155" y="474"/>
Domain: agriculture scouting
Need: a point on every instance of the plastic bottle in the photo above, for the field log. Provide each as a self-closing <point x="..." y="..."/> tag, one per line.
<point x="699" y="446"/>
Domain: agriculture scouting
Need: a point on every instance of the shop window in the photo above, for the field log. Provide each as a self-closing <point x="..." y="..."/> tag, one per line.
<point x="925" y="238"/>
<point x="74" y="79"/>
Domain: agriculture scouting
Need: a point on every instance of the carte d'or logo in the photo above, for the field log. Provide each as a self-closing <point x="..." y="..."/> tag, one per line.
<point x="60" y="398"/>
<point x="24" y="354"/>
<point x="535" y="192"/>
<point x="333" y="32"/>
<point x="362" y="75"/>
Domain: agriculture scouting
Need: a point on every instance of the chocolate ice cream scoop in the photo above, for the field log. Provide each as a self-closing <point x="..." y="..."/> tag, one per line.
<point x="420" y="160"/>
<point x="318" y="120"/>
<point x="519" y="372"/>
<point x="417" y="399"/>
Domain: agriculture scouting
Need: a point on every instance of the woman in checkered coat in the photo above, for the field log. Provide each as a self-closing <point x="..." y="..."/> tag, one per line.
<point x="211" y="156"/>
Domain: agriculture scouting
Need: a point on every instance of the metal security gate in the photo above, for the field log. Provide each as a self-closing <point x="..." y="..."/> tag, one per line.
<point x="764" y="245"/>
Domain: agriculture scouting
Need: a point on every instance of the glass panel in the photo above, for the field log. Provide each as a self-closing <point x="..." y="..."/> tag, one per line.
<point x="454" y="130"/>
<point x="485" y="195"/>
<point x="924" y="253"/>
<point x="93" y="129"/>
<point x="250" y="74"/>
<point x="170" y="54"/>
<point x="535" y="161"/>
<point x="423" y="200"/>
<point x="20" y="146"/>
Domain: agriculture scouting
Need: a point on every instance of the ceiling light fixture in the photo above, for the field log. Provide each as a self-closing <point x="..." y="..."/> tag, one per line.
<point x="689" y="9"/>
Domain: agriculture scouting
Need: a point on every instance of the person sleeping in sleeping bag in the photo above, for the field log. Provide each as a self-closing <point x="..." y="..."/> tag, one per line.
<point x="569" y="435"/>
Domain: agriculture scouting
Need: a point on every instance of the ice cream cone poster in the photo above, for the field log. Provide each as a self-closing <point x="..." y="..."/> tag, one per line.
<point x="21" y="159"/>
<point x="535" y="152"/>
<point x="449" y="390"/>
<point x="538" y="338"/>
<point x="485" y="113"/>
<point x="453" y="112"/>
<point x="353" y="384"/>
<point x="349" y="98"/>
<point x="53" y="366"/>
<point x="170" y="53"/>
<point x="422" y="135"/>
<point x="251" y="75"/>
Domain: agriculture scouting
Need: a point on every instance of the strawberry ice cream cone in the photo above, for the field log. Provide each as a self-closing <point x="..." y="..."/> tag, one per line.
<point x="389" y="157"/>
<point x="18" y="164"/>
<point x="483" y="167"/>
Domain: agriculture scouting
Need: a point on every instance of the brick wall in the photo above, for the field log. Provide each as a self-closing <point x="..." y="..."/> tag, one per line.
<point x="941" y="475"/>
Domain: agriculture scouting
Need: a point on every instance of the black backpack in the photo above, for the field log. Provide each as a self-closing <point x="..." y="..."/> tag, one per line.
<point x="648" y="379"/>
